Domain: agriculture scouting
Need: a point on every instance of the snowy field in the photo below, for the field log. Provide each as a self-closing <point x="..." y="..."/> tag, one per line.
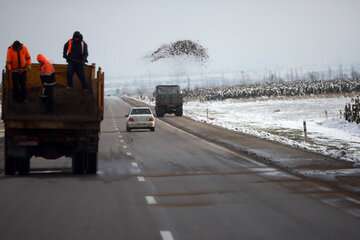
<point x="282" y="121"/>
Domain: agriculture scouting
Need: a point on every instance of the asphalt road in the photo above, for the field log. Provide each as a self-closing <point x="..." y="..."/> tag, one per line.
<point x="168" y="185"/>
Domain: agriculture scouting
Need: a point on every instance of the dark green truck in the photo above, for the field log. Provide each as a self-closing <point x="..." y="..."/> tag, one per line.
<point x="168" y="99"/>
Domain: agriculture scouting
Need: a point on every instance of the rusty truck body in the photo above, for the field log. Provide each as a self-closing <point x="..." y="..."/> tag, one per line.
<point x="71" y="130"/>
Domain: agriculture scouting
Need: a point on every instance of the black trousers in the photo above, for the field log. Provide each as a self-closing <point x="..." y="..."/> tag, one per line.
<point x="19" y="86"/>
<point x="47" y="96"/>
<point x="77" y="68"/>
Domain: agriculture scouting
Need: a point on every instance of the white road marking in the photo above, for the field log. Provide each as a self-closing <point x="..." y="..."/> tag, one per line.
<point x="166" y="235"/>
<point x="334" y="202"/>
<point x="252" y="161"/>
<point x="122" y="141"/>
<point x="278" y="174"/>
<point x="141" y="179"/>
<point x="355" y="212"/>
<point x="128" y="153"/>
<point x="322" y="188"/>
<point x="134" y="164"/>
<point x="125" y="147"/>
<point x="353" y="200"/>
<point x="264" y="169"/>
<point x="150" y="200"/>
<point x="120" y="136"/>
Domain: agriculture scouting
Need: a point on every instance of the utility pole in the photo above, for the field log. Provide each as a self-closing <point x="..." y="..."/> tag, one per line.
<point x="188" y="83"/>
<point x="305" y="131"/>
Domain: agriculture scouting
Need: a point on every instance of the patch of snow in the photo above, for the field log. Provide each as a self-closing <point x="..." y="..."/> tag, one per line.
<point x="145" y="99"/>
<point x="281" y="120"/>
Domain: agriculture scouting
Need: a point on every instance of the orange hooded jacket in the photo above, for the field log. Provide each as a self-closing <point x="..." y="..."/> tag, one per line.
<point x="46" y="67"/>
<point x="18" y="59"/>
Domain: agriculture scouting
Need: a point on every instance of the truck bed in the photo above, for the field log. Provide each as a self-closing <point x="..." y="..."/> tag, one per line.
<point x="70" y="104"/>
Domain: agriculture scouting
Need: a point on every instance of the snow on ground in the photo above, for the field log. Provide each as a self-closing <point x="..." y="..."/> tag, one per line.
<point x="281" y="120"/>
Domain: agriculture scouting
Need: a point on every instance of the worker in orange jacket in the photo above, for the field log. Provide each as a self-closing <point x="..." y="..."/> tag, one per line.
<point x="47" y="76"/>
<point x="18" y="62"/>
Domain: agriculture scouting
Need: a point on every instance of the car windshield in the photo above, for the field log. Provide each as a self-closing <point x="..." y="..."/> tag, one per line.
<point x="140" y="111"/>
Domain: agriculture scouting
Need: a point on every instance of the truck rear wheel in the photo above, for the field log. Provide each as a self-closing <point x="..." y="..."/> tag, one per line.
<point x="179" y="112"/>
<point x="78" y="163"/>
<point x="10" y="165"/>
<point x="16" y="158"/>
<point x="23" y="165"/>
<point x="13" y="164"/>
<point x="160" y="112"/>
<point x="92" y="164"/>
<point x="84" y="162"/>
<point x="10" y="162"/>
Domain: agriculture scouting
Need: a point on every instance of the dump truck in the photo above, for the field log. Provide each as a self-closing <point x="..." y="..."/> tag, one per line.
<point x="71" y="129"/>
<point x="168" y="99"/>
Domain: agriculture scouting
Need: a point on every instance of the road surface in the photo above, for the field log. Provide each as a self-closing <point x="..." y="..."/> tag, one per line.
<point x="168" y="185"/>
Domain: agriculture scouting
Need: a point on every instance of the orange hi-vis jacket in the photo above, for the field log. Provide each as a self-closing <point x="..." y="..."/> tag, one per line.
<point x="18" y="59"/>
<point x="70" y="43"/>
<point x="46" y="67"/>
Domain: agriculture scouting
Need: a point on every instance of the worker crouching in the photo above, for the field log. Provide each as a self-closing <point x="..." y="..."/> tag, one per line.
<point x="47" y="76"/>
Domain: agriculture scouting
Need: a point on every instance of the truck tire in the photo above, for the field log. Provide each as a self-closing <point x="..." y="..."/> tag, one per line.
<point x="10" y="162"/>
<point x="23" y="165"/>
<point x="152" y="129"/>
<point x="10" y="165"/>
<point x="92" y="163"/>
<point x="179" y="112"/>
<point x="78" y="163"/>
<point x="160" y="112"/>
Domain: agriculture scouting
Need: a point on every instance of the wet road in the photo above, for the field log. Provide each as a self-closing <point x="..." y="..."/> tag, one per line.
<point x="168" y="185"/>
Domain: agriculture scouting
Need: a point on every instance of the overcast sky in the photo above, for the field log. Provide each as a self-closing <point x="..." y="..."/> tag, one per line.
<point x="239" y="34"/>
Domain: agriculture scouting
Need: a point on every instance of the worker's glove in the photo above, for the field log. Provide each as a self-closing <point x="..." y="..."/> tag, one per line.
<point x="68" y="59"/>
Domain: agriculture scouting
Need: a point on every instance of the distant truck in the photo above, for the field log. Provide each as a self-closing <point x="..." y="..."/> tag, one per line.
<point x="168" y="99"/>
<point x="71" y="130"/>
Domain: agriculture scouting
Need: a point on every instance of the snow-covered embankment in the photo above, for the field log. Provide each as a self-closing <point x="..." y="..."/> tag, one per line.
<point x="282" y="121"/>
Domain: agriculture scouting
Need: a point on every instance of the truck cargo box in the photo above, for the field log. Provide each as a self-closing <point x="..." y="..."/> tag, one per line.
<point x="71" y="104"/>
<point x="71" y="129"/>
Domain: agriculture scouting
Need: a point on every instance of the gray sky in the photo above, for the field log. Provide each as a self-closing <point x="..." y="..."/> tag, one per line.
<point x="239" y="34"/>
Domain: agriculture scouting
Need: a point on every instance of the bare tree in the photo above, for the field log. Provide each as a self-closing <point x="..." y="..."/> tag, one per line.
<point x="313" y="76"/>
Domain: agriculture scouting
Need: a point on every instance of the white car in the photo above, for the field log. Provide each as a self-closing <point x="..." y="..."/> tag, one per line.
<point x="140" y="118"/>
